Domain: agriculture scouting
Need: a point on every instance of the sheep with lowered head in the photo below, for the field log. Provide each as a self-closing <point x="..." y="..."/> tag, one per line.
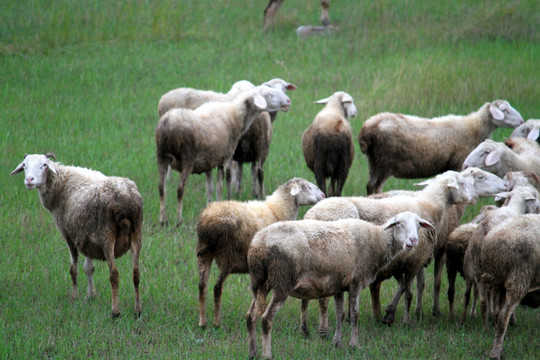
<point x="530" y="130"/>
<point x="499" y="158"/>
<point x="311" y="259"/>
<point x="225" y="230"/>
<point x="327" y="143"/>
<point x="273" y="6"/>
<point x="196" y="141"/>
<point x="410" y="147"/>
<point x="99" y="216"/>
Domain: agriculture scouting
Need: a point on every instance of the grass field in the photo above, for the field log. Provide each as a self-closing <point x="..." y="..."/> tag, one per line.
<point x="82" y="79"/>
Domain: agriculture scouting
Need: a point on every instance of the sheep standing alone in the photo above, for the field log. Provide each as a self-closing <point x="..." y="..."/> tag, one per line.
<point x="409" y="147"/>
<point x="196" y="141"/>
<point x="510" y="266"/>
<point x="273" y="6"/>
<point x="311" y="259"/>
<point x="225" y="230"/>
<point x="327" y="143"/>
<point x="499" y="158"/>
<point x="98" y="216"/>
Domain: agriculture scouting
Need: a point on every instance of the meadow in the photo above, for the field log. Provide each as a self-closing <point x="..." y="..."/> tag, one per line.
<point x="83" y="79"/>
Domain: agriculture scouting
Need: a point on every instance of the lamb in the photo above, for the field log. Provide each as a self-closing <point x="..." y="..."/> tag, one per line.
<point x="311" y="259"/>
<point x="498" y="158"/>
<point x="327" y="143"/>
<point x="254" y="145"/>
<point x="510" y="266"/>
<point x="273" y="6"/>
<point x="225" y="230"/>
<point x="196" y="141"/>
<point x="530" y="130"/>
<point x="99" y="216"/>
<point x="431" y="203"/>
<point x="409" y="147"/>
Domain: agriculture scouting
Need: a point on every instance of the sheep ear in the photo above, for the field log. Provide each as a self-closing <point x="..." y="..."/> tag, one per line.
<point x="496" y="112"/>
<point x="18" y="169"/>
<point x="295" y="190"/>
<point x="453" y="184"/>
<point x="259" y="101"/>
<point x="390" y="223"/>
<point x="347" y="98"/>
<point x="424" y="183"/>
<point x="425" y="224"/>
<point x="322" y="101"/>
<point x="52" y="166"/>
<point x="291" y="86"/>
<point x="533" y="135"/>
<point x="500" y="196"/>
<point x="493" y="157"/>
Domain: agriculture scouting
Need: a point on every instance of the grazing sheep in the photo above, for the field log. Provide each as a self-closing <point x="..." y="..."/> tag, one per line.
<point x="254" y="145"/>
<point x="327" y="143"/>
<point x="311" y="259"/>
<point x="498" y="158"/>
<point x="99" y="216"/>
<point x="530" y="130"/>
<point x="408" y="147"/>
<point x="273" y="6"/>
<point x="225" y="230"/>
<point x="431" y="203"/>
<point x="510" y="266"/>
<point x="196" y="141"/>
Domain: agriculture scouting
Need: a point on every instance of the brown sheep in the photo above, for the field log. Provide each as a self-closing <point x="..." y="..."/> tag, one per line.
<point x="327" y="143"/>
<point x="273" y="6"/>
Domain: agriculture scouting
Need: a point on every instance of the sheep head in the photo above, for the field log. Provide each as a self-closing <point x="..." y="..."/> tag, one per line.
<point x="405" y="226"/>
<point x="36" y="168"/>
<point x="504" y="115"/>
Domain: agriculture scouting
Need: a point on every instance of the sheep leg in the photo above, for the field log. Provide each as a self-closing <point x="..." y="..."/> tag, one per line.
<point x="163" y="167"/>
<point x="483" y="304"/>
<point x="451" y="274"/>
<point x="472" y="313"/>
<point x="257" y="176"/>
<point x="467" y="298"/>
<point x="501" y="324"/>
<point x="321" y="182"/>
<point x="108" y="251"/>
<point x="303" y="318"/>
<point x="218" y="290"/>
<point x="219" y="184"/>
<point x="135" y="253"/>
<point x="375" y="291"/>
<point x="209" y="187"/>
<point x="340" y="314"/>
<point x="323" y="316"/>
<point x="408" y="297"/>
<point x="74" y="270"/>
<point x="251" y="322"/>
<point x="440" y="257"/>
<point x="325" y="18"/>
<point x="184" y="174"/>
<point x="89" y="271"/>
<point x="375" y="182"/>
<point x="270" y="13"/>
<point x="420" y="284"/>
<point x="354" y="293"/>
<point x="277" y="301"/>
<point x="332" y="187"/>
<point x="204" y="264"/>
<point x="236" y="177"/>
<point x="391" y="308"/>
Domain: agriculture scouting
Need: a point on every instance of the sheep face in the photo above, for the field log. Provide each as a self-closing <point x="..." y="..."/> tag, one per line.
<point x="485" y="156"/>
<point x="516" y="178"/>
<point x="485" y="183"/>
<point x="405" y="226"/>
<point x="530" y="130"/>
<point x="306" y="193"/>
<point x="505" y="115"/>
<point x="35" y="170"/>
<point x="276" y="100"/>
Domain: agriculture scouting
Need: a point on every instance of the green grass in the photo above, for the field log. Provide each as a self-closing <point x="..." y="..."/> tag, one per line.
<point x="82" y="79"/>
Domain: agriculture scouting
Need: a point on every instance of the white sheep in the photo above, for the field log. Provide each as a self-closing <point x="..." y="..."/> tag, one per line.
<point x="327" y="143"/>
<point x="273" y="6"/>
<point x="196" y="141"/>
<point x="499" y="158"/>
<point x="99" y="216"/>
<point x="510" y="265"/>
<point x="530" y="130"/>
<point x="311" y="259"/>
<point x="432" y="203"/>
<point x="409" y="147"/>
<point x="225" y="230"/>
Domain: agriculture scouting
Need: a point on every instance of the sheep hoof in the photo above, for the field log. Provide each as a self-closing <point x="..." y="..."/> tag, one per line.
<point x="323" y="334"/>
<point x="115" y="314"/>
<point x="388" y="319"/>
<point x="435" y="312"/>
<point x="304" y="331"/>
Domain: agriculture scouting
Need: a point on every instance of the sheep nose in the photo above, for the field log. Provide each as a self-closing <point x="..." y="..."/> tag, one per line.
<point x="29" y="179"/>
<point x="413" y="241"/>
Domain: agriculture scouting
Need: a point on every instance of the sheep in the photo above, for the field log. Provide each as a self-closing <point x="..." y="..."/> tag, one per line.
<point x="327" y="143"/>
<point x="431" y="203"/>
<point x="310" y="259"/>
<point x="99" y="216"/>
<point x="521" y="200"/>
<point x="498" y="158"/>
<point x="530" y="130"/>
<point x="273" y="6"/>
<point x="406" y="146"/>
<point x="254" y="145"/>
<point x="196" y="141"/>
<point x="225" y="230"/>
<point x="510" y="266"/>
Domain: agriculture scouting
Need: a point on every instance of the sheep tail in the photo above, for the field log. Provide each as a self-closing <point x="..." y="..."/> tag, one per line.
<point x="364" y="140"/>
<point x="488" y="279"/>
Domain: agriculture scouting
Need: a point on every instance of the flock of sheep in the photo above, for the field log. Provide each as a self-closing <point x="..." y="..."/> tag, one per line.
<point x="343" y="243"/>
